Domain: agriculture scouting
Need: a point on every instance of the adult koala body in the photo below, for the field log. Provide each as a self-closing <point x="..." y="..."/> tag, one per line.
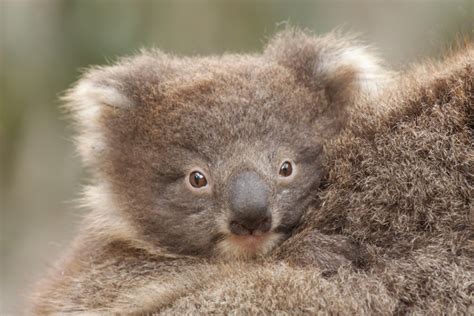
<point x="203" y="157"/>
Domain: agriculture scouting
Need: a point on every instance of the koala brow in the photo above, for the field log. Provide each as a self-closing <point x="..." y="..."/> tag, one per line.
<point x="272" y="155"/>
<point x="195" y="151"/>
<point x="307" y="154"/>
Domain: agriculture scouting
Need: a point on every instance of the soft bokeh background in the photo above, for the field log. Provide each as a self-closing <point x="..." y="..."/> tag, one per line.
<point x="43" y="45"/>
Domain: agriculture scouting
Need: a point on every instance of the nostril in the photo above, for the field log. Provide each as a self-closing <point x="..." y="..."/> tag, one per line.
<point x="238" y="228"/>
<point x="265" y="225"/>
<point x="250" y="226"/>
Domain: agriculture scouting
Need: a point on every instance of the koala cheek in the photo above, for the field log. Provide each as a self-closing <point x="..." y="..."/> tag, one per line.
<point x="222" y="224"/>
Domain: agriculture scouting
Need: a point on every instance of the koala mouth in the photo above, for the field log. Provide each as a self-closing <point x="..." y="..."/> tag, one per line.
<point x="245" y="246"/>
<point x="250" y="242"/>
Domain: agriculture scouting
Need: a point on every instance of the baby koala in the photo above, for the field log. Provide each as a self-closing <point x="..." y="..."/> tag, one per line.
<point x="215" y="156"/>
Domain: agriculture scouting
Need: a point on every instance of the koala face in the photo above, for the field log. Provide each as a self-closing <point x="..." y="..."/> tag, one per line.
<point x="213" y="155"/>
<point x="228" y="159"/>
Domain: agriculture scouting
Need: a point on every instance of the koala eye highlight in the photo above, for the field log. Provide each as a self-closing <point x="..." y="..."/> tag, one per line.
<point x="197" y="179"/>
<point x="286" y="169"/>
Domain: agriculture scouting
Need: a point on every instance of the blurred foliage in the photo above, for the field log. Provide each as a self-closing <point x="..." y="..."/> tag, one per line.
<point x="43" y="44"/>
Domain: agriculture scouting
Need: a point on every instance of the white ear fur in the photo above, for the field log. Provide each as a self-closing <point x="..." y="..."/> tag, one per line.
<point x="98" y="95"/>
<point x="370" y="77"/>
<point x="86" y="102"/>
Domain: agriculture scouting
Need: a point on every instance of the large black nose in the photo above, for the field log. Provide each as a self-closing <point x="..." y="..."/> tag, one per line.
<point x="249" y="204"/>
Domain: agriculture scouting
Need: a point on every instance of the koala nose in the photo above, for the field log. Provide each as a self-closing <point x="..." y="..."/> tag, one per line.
<point x="249" y="204"/>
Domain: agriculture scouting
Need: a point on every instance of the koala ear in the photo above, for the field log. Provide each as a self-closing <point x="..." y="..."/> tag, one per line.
<point x="97" y="90"/>
<point x="101" y="91"/>
<point x="334" y="64"/>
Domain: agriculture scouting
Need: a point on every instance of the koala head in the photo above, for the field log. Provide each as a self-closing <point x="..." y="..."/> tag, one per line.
<point x="215" y="155"/>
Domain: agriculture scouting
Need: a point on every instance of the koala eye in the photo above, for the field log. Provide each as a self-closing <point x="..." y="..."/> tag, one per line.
<point x="286" y="169"/>
<point x="197" y="179"/>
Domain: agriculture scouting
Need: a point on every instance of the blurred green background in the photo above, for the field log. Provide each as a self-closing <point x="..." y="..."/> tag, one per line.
<point x="44" y="44"/>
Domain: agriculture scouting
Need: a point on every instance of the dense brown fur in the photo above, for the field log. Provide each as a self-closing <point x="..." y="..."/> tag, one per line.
<point x="397" y="204"/>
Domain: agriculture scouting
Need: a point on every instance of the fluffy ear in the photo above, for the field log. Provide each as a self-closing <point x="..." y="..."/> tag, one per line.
<point x="98" y="89"/>
<point x="334" y="64"/>
<point x="120" y="87"/>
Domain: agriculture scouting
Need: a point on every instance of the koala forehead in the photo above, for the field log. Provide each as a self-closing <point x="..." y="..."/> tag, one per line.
<point x="212" y="106"/>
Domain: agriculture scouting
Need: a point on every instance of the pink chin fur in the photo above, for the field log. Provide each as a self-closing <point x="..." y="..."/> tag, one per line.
<point x="249" y="245"/>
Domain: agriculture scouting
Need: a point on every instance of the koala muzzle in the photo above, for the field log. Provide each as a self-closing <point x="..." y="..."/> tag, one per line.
<point x="249" y="204"/>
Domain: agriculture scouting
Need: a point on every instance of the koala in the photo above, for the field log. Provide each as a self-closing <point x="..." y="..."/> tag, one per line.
<point x="216" y="155"/>
<point x="206" y="157"/>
